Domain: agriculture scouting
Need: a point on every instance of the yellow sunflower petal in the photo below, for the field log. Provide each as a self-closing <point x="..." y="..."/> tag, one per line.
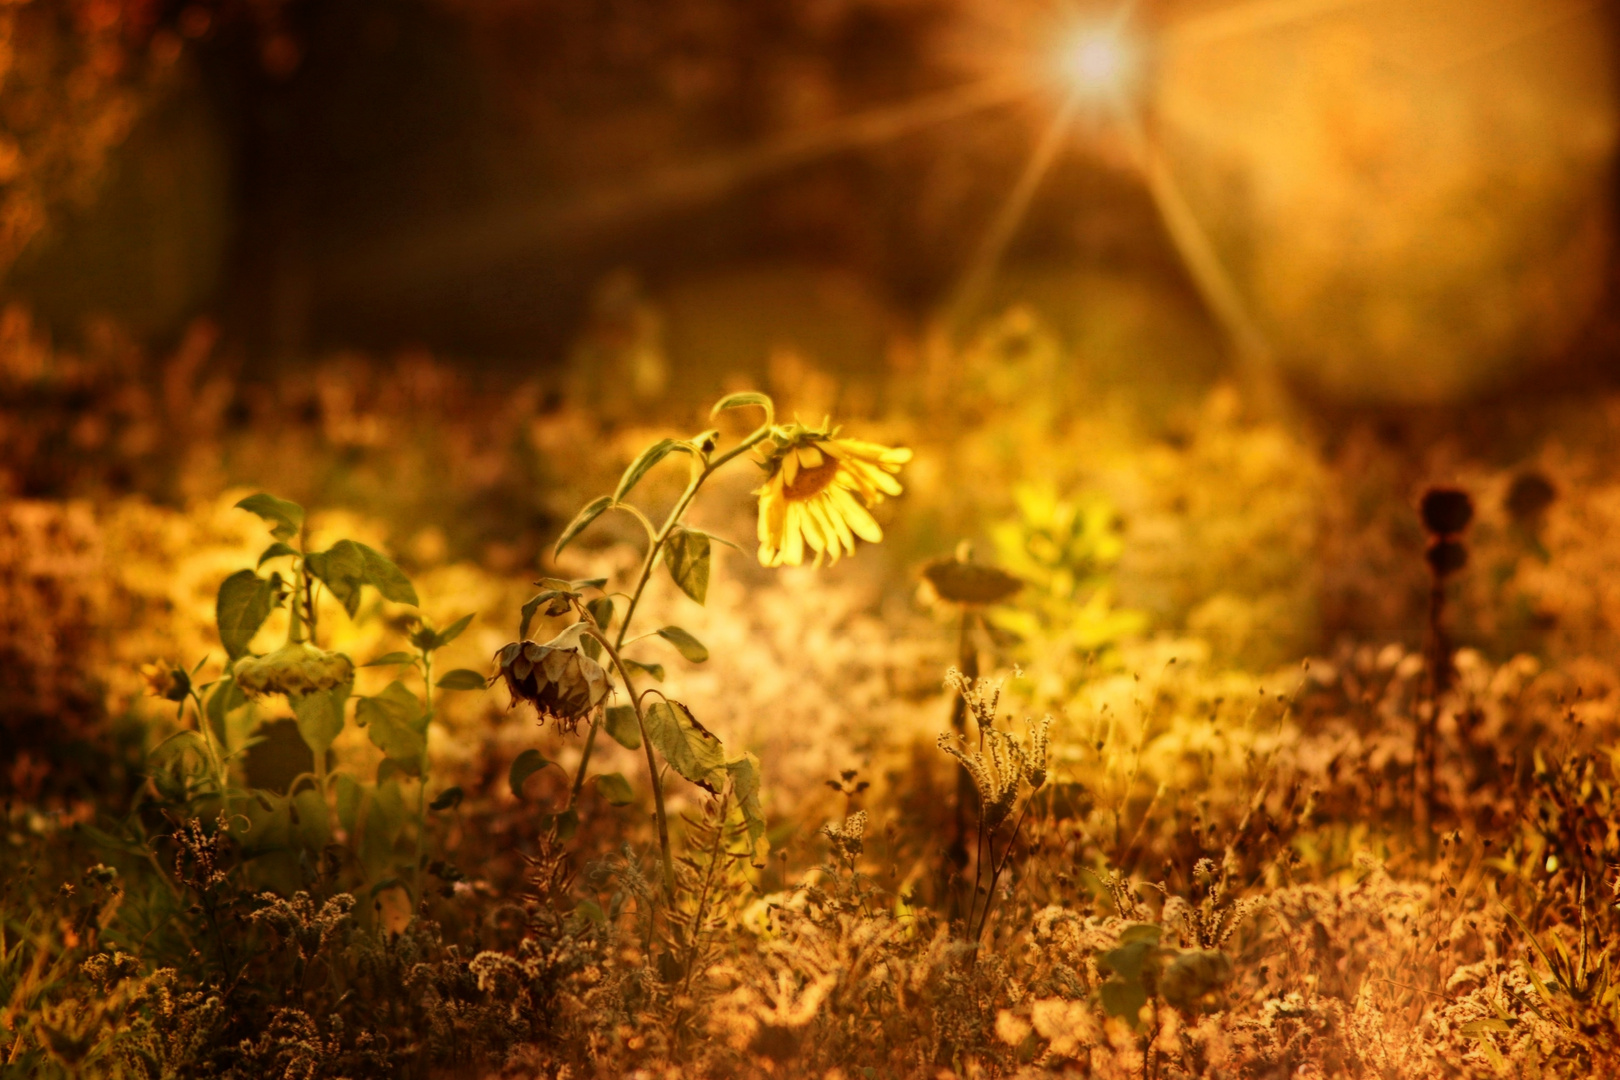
<point x="811" y="525"/>
<point x="839" y="527"/>
<point x="822" y="514"/>
<point x="793" y="535"/>
<point x="861" y="523"/>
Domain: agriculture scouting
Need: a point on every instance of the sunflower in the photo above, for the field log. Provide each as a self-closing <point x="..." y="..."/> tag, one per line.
<point x="817" y="493"/>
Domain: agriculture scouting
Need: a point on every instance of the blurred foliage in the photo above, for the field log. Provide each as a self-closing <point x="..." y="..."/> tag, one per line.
<point x="1221" y="871"/>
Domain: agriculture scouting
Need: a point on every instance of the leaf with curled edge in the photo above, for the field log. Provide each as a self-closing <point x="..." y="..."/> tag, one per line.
<point x="591" y="511"/>
<point x="524" y="766"/>
<point x="342" y="569"/>
<point x="742" y="400"/>
<point x="285" y="518"/>
<point x="690" y="749"/>
<point x="746" y="781"/>
<point x="644" y="462"/>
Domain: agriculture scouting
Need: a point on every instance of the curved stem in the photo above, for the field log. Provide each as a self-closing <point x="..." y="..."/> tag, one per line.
<point x="651" y="560"/>
<point x="208" y="739"/>
<point x="998" y="867"/>
<point x="584" y="757"/>
<point x="421" y="783"/>
<point x="652" y="762"/>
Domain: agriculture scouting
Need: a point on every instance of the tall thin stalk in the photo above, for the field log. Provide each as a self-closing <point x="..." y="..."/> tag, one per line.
<point x="655" y="547"/>
<point x="652" y="762"/>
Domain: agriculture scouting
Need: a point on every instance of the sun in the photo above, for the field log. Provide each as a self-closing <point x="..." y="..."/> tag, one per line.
<point x="1099" y="61"/>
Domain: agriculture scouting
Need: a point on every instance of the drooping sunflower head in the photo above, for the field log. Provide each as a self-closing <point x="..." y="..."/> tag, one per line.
<point x="297" y="669"/>
<point x="818" y="491"/>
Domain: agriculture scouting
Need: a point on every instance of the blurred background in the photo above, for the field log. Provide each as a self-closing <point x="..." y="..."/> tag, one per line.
<point x="1388" y="201"/>
<point x="1201" y="294"/>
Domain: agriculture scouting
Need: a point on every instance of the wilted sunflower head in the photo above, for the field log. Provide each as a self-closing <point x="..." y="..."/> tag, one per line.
<point x="166" y="681"/>
<point x="817" y="491"/>
<point x="296" y="669"/>
<point x="557" y="678"/>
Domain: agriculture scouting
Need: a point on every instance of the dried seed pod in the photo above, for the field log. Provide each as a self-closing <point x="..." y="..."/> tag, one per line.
<point x="970" y="583"/>
<point x="166" y="681"/>
<point x="1446" y="557"/>
<point x="297" y="669"/>
<point x="1530" y="494"/>
<point x="1446" y="511"/>
<point x="559" y="680"/>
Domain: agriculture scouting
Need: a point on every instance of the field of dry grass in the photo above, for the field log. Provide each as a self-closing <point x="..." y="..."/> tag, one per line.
<point x="1257" y="837"/>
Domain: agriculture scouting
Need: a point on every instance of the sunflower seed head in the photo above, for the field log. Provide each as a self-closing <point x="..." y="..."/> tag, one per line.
<point x="295" y="670"/>
<point x="560" y="681"/>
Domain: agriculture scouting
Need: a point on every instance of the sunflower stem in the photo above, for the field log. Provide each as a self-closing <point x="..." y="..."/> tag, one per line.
<point x="653" y="549"/>
<point x="652" y="762"/>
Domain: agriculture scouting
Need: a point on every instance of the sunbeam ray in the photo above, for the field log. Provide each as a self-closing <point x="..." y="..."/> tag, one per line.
<point x="981" y="268"/>
<point x="452" y="248"/>
<point x="1198" y="253"/>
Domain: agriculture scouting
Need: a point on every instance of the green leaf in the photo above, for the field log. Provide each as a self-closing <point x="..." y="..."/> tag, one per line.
<point x="277" y="550"/>
<point x="448" y="799"/>
<point x="601" y="610"/>
<point x="310" y="819"/>
<point x="243" y="604"/>
<point x="1123" y="999"/>
<point x="390" y="658"/>
<point x="555" y="601"/>
<point x="1149" y="932"/>
<point x="461" y="679"/>
<point x="686" y="554"/>
<point x="688" y="747"/>
<point x="649" y="457"/>
<point x="592" y="511"/>
<point x="1127" y="961"/>
<point x="567" y="824"/>
<point x="746" y="398"/>
<point x="615" y="789"/>
<point x="656" y="671"/>
<point x="746" y="779"/>
<point x="687" y="645"/>
<point x="349" y="797"/>
<point x="343" y="570"/>
<point x="392" y="719"/>
<point x="621" y="724"/>
<point x="388" y="578"/>
<point x="524" y="766"/>
<point x="320" y="718"/>
<point x="451" y="632"/>
<point x="285" y="518"/>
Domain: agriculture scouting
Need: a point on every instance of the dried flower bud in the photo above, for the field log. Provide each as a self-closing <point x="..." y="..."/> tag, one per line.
<point x="1446" y="511"/>
<point x="166" y="681"/>
<point x="297" y="670"/>
<point x="1530" y="495"/>
<point x="964" y="582"/>
<point x="557" y="679"/>
<point x="1446" y="557"/>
